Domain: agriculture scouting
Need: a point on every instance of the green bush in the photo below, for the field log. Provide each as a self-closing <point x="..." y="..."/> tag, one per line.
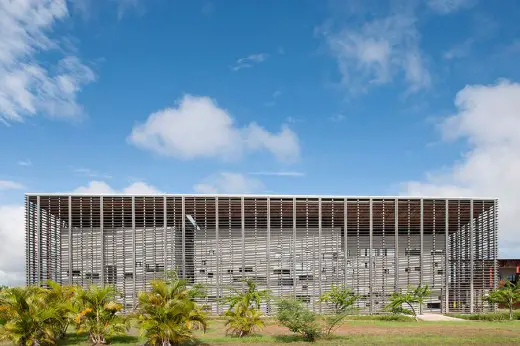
<point x="488" y="316"/>
<point x="293" y="315"/>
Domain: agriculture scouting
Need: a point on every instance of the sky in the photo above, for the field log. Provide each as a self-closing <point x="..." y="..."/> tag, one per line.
<point x="281" y="97"/>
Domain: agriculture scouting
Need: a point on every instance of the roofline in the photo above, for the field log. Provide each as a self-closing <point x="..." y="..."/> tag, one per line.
<point x="252" y="196"/>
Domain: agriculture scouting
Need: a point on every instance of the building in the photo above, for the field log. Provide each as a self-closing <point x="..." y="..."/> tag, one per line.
<point x="293" y="245"/>
<point x="509" y="269"/>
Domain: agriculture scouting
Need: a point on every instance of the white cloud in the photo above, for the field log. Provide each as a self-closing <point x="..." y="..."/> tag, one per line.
<point x="10" y="185"/>
<point x="249" y="61"/>
<point x="198" y="127"/>
<point x="232" y="183"/>
<point x="450" y="6"/>
<point x="280" y="174"/>
<point x="27" y="87"/>
<point x="24" y="163"/>
<point x="87" y="172"/>
<point x="488" y="118"/>
<point x="12" y="246"/>
<point x="100" y="187"/>
<point x="459" y="51"/>
<point x="378" y="51"/>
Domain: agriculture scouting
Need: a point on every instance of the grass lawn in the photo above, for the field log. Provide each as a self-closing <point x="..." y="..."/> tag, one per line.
<point x="359" y="332"/>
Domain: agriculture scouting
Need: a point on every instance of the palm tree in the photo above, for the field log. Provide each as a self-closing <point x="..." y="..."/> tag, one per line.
<point x="342" y="299"/>
<point x="409" y="297"/>
<point x="62" y="298"/>
<point x="30" y="320"/>
<point x="99" y="313"/>
<point x="168" y="314"/>
<point x="243" y="315"/>
<point x="508" y="294"/>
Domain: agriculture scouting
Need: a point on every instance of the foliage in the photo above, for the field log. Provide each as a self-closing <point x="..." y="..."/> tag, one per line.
<point x="62" y="297"/>
<point x="30" y="320"/>
<point x="168" y="314"/>
<point x="508" y="295"/>
<point x="342" y="300"/>
<point x="293" y="315"/>
<point x="244" y="315"/>
<point x="99" y="313"/>
<point x="409" y="297"/>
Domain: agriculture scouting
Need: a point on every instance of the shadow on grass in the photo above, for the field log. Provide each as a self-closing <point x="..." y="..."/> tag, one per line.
<point x="289" y="338"/>
<point x="125" y="339"/>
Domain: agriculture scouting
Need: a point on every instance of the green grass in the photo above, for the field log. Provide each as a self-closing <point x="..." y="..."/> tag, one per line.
<point x="354" y="332"/>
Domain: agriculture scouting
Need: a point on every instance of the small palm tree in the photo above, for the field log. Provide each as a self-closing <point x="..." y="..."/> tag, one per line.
<point x="244" y="315"/>
<point x="409" y="297"/>
<point x="30" y="320"/>
<point x="508" y="294"/>
<point x="62" y="297"/>
<point x="341" y="298"/>
<point x="98" y="313"/>
<point x="168" y="314"/>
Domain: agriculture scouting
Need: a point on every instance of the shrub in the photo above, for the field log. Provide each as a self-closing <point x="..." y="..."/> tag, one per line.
<point x="293" y="315"/>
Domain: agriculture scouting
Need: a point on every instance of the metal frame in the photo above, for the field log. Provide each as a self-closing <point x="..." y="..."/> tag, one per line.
<point x="292" y="245"/>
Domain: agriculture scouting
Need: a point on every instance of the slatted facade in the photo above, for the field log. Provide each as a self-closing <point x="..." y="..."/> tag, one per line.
<point x="292" y="245"/>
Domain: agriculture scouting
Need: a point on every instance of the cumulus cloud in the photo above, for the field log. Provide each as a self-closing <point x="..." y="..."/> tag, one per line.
<point x="100" y="187"/>
<point x="12" y="246"/>
<point x="28" y="87"/>
<point x="378" y="51"/>
<point x="198" y="127"/>
<point x="249" y="61"/>
<point x="488" y="118"/>
<point x="449" y="6"/>
<point x="10" y="185"/>
<point x="227" y="182"/>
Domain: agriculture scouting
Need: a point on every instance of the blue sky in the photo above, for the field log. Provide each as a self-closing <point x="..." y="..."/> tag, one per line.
<point x="296" y="97"/>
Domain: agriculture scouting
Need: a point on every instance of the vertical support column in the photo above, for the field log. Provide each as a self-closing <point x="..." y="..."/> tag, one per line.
<point x="294" y="247"/>
<point x="319" y="250"/>
<point x="396" y="240"/>
<point x="242" y="225"/>
<point x="102" y="242"/>
<point x="218" y="254"/>
<point x="183" y="245"/>
<point x="447" y="262"/>
<point x="471" y="259"/>
<point x="495" y="244"/>
<point x="268" y="249"/>
<point x="345" y="240"/>
<point x="370" y="259"/>
<point x="38" y="241"/>
<point x="70" y="240"/>
<point x="421" y="258"/>
<point x="165" y="234"/>
<point x="134" y="293"/>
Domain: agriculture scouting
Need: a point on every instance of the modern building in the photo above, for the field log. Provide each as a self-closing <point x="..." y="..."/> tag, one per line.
<point x="292" y="245"/>
<point x="509" y="269"/>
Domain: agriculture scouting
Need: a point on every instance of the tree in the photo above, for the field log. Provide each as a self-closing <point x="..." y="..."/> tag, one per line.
<point x="244" y="315"/>
<point x="508" y="294"/>
<point x="409" y="297"/>
<point x="30" y="320"/>
<point x="62" y="297"/>
<point x="341" y="298"/>
<point x="98" y="313"/>
<point x="168" y="314"/>
<point x="293" y="315"/>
